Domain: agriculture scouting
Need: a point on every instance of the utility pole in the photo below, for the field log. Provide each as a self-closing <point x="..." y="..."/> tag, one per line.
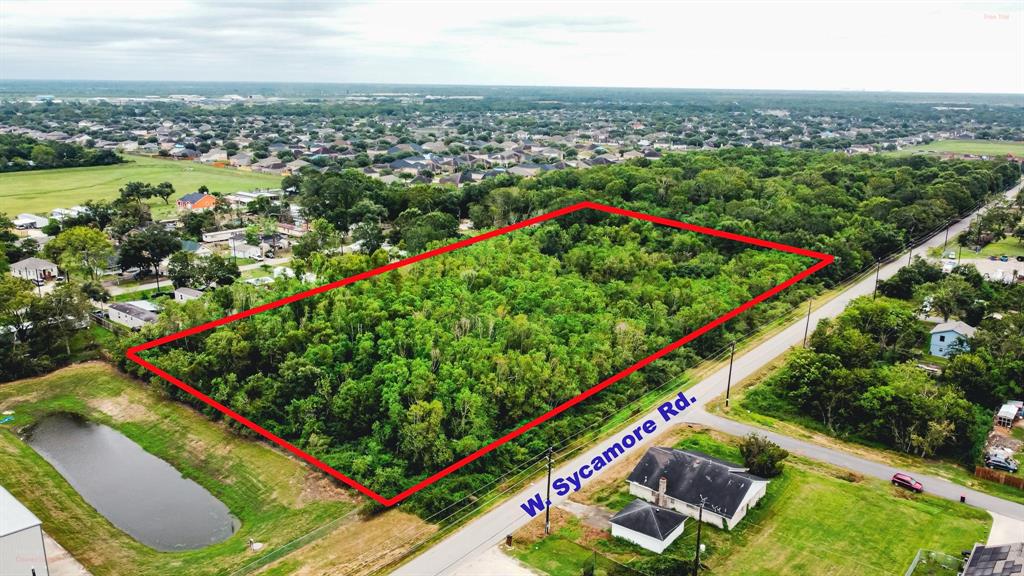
<point x="728" y="383"/>
<point x="547" y="507"/>
<point x="807" y="327"/>
<point x="910" y="254"/>
<point x="946" y="239"/>
<point x="958" y="253"/>
<point x="700" y="520"/>
<point x="878" y="270"/>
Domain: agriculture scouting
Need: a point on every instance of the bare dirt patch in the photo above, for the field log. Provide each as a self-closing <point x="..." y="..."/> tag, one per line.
<point x="122" y="409"/>
<point x="319" y="487"/>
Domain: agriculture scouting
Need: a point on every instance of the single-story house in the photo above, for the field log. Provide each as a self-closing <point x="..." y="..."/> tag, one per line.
<point x="26" y="221"/>
<point x="949" y="337"/>
<point x="131" y="314"/>
<point x="22" y="551"/>
<point x="1001" y="560"/>
<point x="242" y="250"/>
<point x="184" y="294"/>
<point x="34" y="269"/>
<point x="681" y="480"/>
<point x="197" y="201"/>
<point x="647" y="525"/>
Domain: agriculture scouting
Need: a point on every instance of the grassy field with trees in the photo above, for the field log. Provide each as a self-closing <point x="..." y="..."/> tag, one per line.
<point x="977" y="147"/>
<point x="39" y="191"/>
<point x="803" y="526"/>
<point x="276" y="497"/>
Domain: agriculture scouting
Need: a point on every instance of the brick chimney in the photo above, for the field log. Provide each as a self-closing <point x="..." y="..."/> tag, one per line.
<point x="659" y="500"/>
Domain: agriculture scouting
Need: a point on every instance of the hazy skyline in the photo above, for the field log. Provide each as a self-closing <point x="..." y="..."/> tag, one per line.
<point x="908" y="46"/>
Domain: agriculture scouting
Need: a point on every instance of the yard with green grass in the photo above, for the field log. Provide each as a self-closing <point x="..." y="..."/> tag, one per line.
<point x="276" y="497"/>
<point x="39" y="191"/>
<point x="978" y="147"/>
<point x="1011" y="247"/>
<point x="815" y="519"/>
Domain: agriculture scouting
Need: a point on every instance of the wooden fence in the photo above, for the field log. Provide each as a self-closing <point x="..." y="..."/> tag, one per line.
<point x="997" y="476"/>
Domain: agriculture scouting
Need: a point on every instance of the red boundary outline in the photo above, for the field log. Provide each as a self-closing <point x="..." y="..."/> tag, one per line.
<point x="133" y="352"/>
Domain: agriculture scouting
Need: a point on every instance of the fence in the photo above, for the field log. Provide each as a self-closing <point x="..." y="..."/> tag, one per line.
<point x="929" y="563"/>
<point x="997" y="476"/>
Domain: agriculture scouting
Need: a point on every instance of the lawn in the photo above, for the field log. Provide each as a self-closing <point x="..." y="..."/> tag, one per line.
<point x="1007" y="246"/>
<point x="39" y="191"/>
<point x="978" y="147"/>
<point x="276" y="497"/>
<point x="814" y="520"/>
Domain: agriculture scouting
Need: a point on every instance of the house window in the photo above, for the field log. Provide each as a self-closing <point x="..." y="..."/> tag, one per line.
<point x="942" y="338"/>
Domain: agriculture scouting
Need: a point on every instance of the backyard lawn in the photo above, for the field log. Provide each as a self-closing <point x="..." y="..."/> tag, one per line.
<point x="814" y="520"/>
<point x="1011" y="247"/>
<point x="39" y="191"/>
<point x="276" y="497"/>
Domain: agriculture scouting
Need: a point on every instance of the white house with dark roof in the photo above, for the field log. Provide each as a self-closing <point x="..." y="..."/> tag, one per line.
<point x="949" y="337"/>
<point x="681" y="480"/>
<point x="22" y="551"/>
<point x="647" y="525"/>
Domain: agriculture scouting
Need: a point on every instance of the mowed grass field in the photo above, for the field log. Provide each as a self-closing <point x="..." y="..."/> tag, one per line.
<point x="277" y="498"/>
<point x="40" y="191"/>
<point x="815" y="520"/>
<point x="979" y="147"/>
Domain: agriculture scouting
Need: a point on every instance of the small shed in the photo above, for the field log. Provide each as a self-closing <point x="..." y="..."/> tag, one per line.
<point x="1007" y="415"/>
<point x="647" y="525"/>
<point x="22" y="551"/>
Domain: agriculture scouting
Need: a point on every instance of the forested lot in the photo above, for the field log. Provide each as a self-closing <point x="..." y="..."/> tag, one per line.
<point x="860" y="378"/>
<point x="19" y="153"/>
<point x="388" y="380"/>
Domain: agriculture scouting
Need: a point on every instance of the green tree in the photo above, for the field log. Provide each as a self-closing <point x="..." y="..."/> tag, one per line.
<point x="81" y="249"/>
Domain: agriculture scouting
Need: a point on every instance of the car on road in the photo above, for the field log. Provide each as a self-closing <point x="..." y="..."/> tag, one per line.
<point x="951" y="255"/>
<point x="992" y="258"/>
<point x="906" y="481"/>
<point x="1000" y="463"/>
<point x="1020" y="258"/>
<point x="1004" y="258"/>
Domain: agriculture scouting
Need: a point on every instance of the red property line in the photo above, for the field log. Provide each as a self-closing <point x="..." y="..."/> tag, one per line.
<point x="133" y="352"/>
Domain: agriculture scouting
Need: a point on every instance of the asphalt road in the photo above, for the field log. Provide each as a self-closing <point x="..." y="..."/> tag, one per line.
<point x="481" y="533"/>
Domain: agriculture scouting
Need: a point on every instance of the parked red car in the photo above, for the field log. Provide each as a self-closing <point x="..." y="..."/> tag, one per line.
<point x="901" y="479"/>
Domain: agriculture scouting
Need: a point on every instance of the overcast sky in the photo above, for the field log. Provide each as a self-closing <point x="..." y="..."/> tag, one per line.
<point x="908" y="46"/>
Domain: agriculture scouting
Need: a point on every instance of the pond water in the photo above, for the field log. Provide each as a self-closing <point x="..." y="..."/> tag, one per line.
<point x="139" y="493"/>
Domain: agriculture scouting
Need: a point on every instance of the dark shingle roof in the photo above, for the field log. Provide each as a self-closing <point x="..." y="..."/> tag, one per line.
<point x="1005" y="560"/>
<point x="192" y="198"/>
<point x="643" y="517"/>
<point x="693" y="475"/>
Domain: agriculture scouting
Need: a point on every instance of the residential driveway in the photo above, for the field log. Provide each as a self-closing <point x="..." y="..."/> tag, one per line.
<point x="1005" y="530"/>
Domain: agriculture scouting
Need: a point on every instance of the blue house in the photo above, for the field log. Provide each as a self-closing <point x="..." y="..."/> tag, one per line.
<point x="949" y="337"/>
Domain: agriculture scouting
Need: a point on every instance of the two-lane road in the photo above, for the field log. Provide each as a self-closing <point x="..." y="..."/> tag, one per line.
<point x="483" y="532"/>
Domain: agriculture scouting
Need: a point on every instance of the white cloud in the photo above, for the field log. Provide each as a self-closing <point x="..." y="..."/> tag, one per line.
<point x="917" y="46"/>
